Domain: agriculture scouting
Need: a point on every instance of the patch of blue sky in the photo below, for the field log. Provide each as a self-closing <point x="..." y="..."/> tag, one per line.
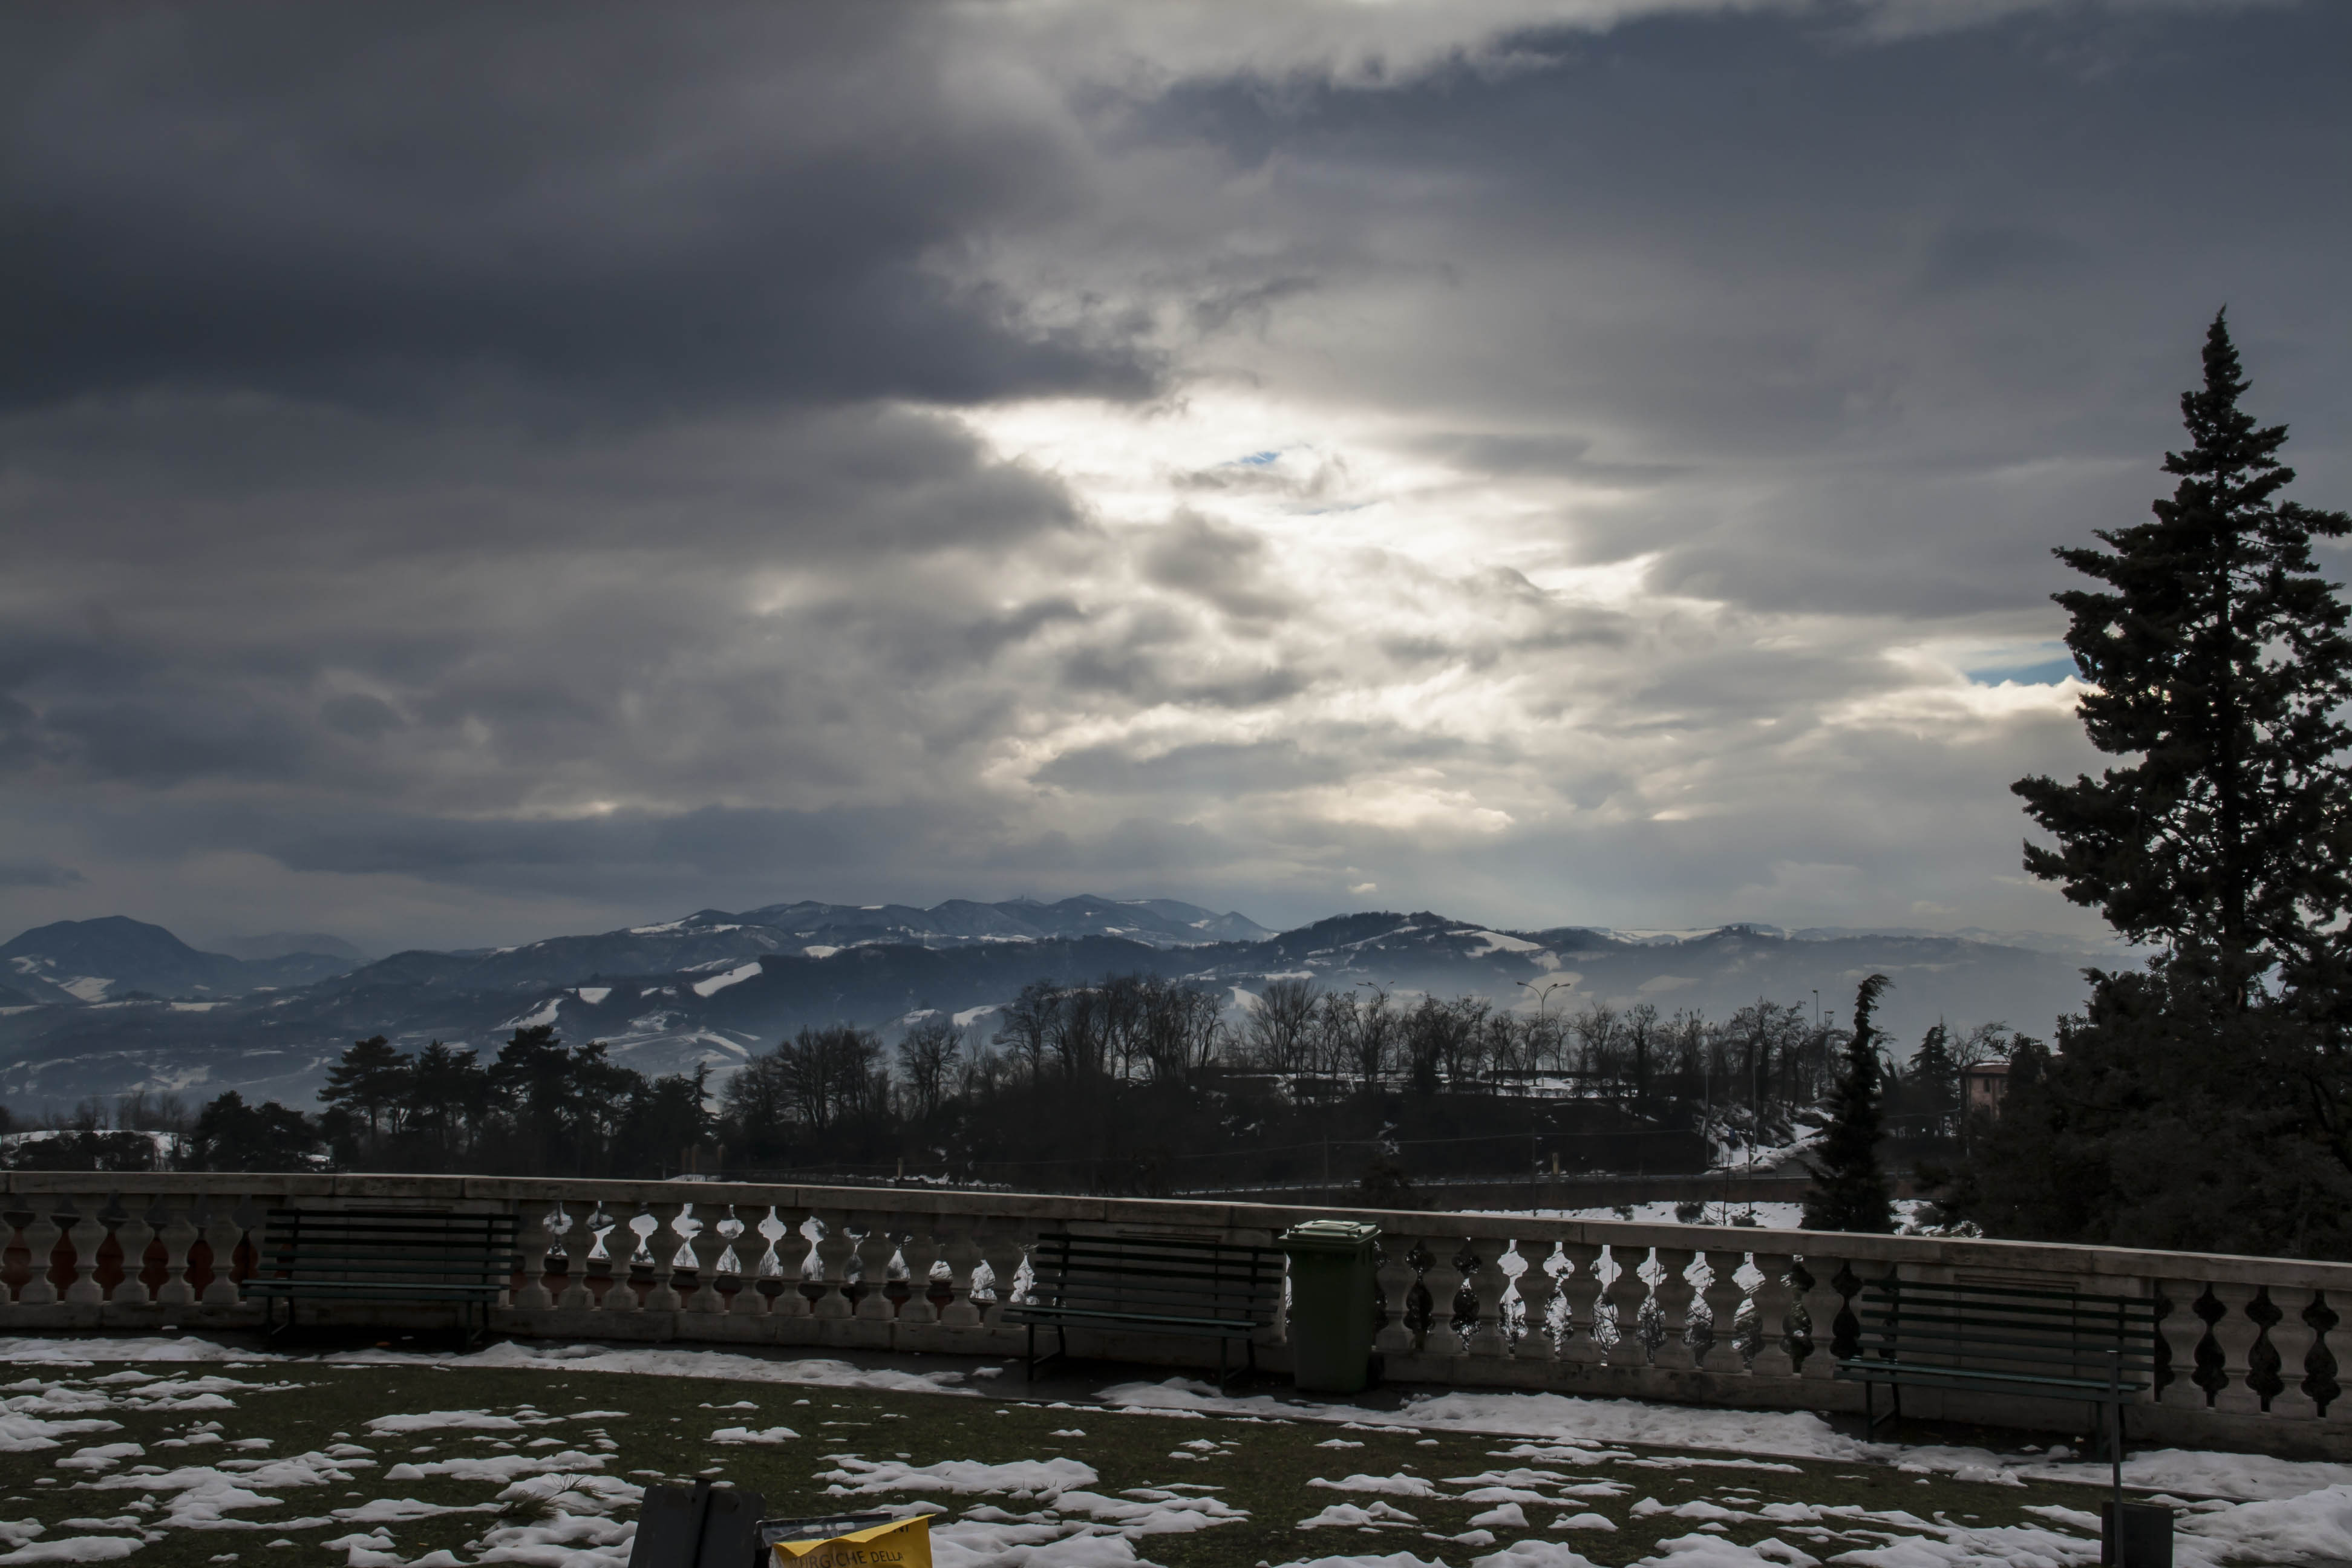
<point x="1255" y="460"/>
<point x="2047" y="672"/>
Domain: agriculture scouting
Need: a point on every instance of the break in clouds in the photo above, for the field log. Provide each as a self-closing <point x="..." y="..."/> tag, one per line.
<point x="472" y="472"/>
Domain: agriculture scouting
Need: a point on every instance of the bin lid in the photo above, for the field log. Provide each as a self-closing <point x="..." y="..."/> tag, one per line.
<point x="1329" y="1235"/>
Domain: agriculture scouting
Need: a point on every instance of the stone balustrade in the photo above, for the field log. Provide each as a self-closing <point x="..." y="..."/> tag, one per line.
<point x="1732" y="1317"/>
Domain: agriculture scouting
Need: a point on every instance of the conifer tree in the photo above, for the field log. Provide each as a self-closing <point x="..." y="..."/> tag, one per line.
<point x="2206" y="1102"/>
<point x="2217" y="660"/>
<point x="1935" y="1073"/>
<point x="1850" y="1190"/>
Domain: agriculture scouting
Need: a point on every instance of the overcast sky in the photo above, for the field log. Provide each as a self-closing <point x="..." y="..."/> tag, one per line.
<point x="473" y="473"/>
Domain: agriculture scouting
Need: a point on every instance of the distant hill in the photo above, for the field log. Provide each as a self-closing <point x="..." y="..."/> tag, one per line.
<point x="286" y="943"/>
<point x="106" y="959"/>
<point x="714" y="988"/>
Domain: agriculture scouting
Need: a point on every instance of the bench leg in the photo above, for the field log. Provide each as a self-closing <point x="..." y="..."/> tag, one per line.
<point x="1029" y="1372"/>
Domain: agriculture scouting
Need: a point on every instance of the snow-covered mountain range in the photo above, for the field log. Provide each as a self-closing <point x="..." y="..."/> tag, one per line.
<point x="105" y="1006"/>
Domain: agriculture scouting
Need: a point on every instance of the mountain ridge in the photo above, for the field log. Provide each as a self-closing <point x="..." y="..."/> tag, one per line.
<point x="710" y="989"/>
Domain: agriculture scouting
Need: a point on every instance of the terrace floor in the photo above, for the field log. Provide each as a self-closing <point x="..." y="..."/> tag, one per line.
<point x="209" y="1452"/>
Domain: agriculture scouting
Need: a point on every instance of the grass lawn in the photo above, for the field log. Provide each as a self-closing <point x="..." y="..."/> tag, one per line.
<point x="283" y="1461"/>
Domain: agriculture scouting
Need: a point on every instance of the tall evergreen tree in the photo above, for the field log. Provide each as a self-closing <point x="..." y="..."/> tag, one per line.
<point x="2216" y="657"/>
<point x="1850" y="1191"/>
<point x="1935" y="1080"/>
<point x="2205" y="1103"/>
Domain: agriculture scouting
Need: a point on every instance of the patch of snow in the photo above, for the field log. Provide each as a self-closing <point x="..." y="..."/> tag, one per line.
<point x="1348" y="1515"/>
<point x="1495" y="942"/>
<point x="818" y="951"/>
<point x="75" y="1549"/>
<point x="857" y="1474"/>
<point x="1397" y="1484"/>
<point x="86" y="987"/>
<point x="592" y="995"/>
<point x="745" y="1435"/>
<point x="546" y="1015"/>
<point x="971" y="1016"/>
<point x="443" y="1420"/>
<point x="735" y="976"/>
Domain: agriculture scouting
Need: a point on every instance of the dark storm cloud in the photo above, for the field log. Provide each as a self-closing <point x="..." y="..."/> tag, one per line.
<point x="739" y="204"/>
<point x="37" y="874"/>
<point x="1851" y="277"/>
<point x="468" y="471"/>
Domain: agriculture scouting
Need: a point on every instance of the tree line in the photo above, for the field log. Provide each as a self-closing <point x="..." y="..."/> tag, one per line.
<point x="1121" y="1067"/>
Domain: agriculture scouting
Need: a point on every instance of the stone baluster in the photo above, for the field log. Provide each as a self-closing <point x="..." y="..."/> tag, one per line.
<point x="1723" y="1296"/>
<point x="2235" y="1333"/>
<point x="792" y="1249"/>
<point x="132" y="1234"/>
<point x="88" y="1235"/>
<point x="223" y="1231"/>
<point x="1444" y="1281"/>
<point x="533" y="1240"/>
<point x="620" y="1243"/>
<point x="1674" y="1292"/>
<point x="2291" y="1336"/>
<point x="834" y="1251"/>
<point x="876" y="1246"/>
<point x="962" y="1255"/>
<point x="2318" y="1377"/>
<point x="921" y="1251"/>
<point x="709" y="1245"/>
<point x="668" y="1238"/>
<point x="1538" y="1289"/>
<point x="1580" y="1291"/>
<point x="752" y="1249"/>
<point x="2178" y="1331"/>
<point x="1483" y="1274"/>
<point x="1823" y="1305"/>
<point x="1773" y="1295"/>
<point x="1396" y="1277"/>
<point x="180" y="1234"/>
<point x="41" y="1236"/>
<point x="1003" y="1247"/>
<point x="1626" y="1293"/>
<point x="578" y="1239"/>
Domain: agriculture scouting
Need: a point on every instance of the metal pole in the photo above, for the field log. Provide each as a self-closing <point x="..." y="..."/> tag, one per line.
<point x="2116" y="1451"/>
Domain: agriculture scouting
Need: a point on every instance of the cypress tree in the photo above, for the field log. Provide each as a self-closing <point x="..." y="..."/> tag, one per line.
<point x="1850" y="1190"/>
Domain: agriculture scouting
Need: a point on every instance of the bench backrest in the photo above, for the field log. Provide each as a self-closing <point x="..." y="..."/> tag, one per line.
<point x="388" y="1245"/>
<point x="2011" y="1327"/>
<point x="1172" y="1276"/>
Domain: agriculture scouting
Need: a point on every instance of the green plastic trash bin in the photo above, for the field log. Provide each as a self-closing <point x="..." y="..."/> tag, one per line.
<point x="1331" y="1302"/>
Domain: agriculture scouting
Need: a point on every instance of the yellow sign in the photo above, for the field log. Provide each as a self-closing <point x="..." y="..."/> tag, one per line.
<point x="900" y="1543"/>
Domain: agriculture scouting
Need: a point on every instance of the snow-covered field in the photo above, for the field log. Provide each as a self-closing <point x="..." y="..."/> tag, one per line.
<point x="182" y="1450"/>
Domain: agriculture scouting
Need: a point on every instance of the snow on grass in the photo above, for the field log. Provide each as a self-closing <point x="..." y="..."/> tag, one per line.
<point x="1558" y="1471"/>
<point x="1399" y="1485"/>
<point x="1584" y="1521"/>
<point x="736" y="1435"/>
<point x="1348" y="1515"/>
<point x="440" y="1420"/>
<point x="500" y="1467"/>
<point x="1021" y="1478"/>
<point x="75" y="1549"/>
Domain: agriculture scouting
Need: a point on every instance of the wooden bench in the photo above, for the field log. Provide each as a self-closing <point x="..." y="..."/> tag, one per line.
<point x="385" y="1255"/>
<point x="2061" y="1344"/>
<point x="1153" y="1284"/>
